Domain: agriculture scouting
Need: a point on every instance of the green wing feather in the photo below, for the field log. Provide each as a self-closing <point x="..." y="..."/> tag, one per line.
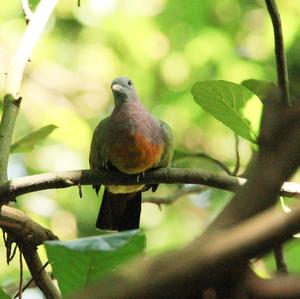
<point x="169" y="142"/>
<point x="98" y="152"/>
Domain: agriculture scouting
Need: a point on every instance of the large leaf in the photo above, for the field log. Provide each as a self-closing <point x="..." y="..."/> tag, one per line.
<point x="28" y="142"/>
<point x="261" y="88"/>
<point x="78" y="263"/>
<point x="226" y="101"/>
<point x="3" y="295"/>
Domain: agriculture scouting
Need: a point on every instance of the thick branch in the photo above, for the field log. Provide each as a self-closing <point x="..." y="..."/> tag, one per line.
<point x="42" y="278"/>
<point x="204" y="263"/>
<point x="23" y="228"/>
<point x="277" y="159"/>
<point x="282" y="73"/>
<point x="280" y="287"/>
<point x="64" y="179"/>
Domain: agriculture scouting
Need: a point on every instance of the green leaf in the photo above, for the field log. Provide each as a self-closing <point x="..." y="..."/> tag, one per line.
<point x="78" y="263"/>
<point x="3" y="295"/>
<point x="260" y="87"/>
<point x="28" y="142"/>
<point x="226" y="101"/>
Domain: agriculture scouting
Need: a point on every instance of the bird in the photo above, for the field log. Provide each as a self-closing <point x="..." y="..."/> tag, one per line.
<point x="130" y="141"/>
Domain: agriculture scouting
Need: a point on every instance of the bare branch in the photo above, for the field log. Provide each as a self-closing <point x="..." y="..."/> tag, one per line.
<point x="42" y="279"/>
<point x="174" y="196"/>
<point x="25" y="229"/>
<point x="21" y="273"/>
<point x="15" y="72"/>
<point x="27" y="11"/>
<point x="188" y="277"/>
<point x="282" y="73"/>
<point x="237" y="155"/>
<point x="181" y="154"/>
<point x="65" y="179"/>
<point x="32" y="279"/>
<point x="280" y="287"/>
<point x="279" y="259"/>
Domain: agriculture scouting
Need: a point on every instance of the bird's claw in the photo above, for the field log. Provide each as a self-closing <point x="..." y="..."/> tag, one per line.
<point x="105" y="164"/>
<point x="139" y="176"/>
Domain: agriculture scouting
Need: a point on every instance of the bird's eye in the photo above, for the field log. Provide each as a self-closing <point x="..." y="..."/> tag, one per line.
<point x="129" y="82"/>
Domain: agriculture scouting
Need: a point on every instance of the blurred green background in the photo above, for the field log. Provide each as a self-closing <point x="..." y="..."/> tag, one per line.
<point x="164" y="46"/>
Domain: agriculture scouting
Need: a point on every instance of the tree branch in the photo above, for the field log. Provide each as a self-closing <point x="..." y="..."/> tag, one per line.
<point x="23" y="228"/>
<point x="279" y="259"/>
<point x="181" y="154"/>
<point x="65" y="179"/>
<point x="27" y="11"/>
<point x="171" y="198"/>
<point x="215" y="254"/>
<point x="282" y="73"/>
<point x="28" y="235"/>
<point x="42" y="279"/>
<point x="275" y="163"/>
<point x="16" y="68"/>
<point x="280" y="287"/>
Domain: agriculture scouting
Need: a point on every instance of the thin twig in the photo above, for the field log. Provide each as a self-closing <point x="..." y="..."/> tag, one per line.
<point x="13" y="254"/>
<point x="279" y="259"/>
<point x="79" y="190"/>
<point x="21" y="273"/>
<point x="42" y="279"/>
<point x="174" y="196"/>
<point x="282" y="72"/>
<point x="237" y="156"/>
<point x="27" y="11"/>
<point x="31" y="280"/>
<point x="182" y="154"/>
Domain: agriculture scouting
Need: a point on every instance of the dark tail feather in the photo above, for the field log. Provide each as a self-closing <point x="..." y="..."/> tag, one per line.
<point x="119" y="211"/>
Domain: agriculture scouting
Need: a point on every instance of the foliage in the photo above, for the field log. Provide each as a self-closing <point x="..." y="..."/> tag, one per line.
<point x="28" y="142"/>
<point x="91" y="258"/>
<point x="3" y="295"/>
<point x="226" y="101"/>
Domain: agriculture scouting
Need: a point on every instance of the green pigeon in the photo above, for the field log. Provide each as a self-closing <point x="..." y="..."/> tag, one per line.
<point x="131" y="141"/>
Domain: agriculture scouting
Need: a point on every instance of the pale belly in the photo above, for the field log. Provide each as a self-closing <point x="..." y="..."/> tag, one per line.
<point x="122" y="189"/>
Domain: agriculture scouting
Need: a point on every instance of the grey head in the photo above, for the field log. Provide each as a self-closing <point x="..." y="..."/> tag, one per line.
<point x="123" y="90"/>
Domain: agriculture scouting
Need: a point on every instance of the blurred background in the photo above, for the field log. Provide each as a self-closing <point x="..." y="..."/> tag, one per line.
<point x="164" y="46"/>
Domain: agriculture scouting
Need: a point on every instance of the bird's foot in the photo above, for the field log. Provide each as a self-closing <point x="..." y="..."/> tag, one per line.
<point x="139" y="176"/>
<point x="105" y="164"/>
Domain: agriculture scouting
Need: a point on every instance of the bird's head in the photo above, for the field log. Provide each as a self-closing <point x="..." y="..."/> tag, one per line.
<point x="123" y="89"/>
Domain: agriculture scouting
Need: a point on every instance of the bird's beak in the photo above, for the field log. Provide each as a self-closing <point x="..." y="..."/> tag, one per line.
<point x="117" y="87"/>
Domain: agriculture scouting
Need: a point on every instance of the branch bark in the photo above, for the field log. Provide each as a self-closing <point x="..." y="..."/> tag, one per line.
<point x="64" y="179"/>
<point x="202" y="264"/>
<point x="23" y="228"/>
<point x="280" y="287"/>
<point x="41" y="278"/>
<point x="15" y="72"/>
<point x="282" y="73"/>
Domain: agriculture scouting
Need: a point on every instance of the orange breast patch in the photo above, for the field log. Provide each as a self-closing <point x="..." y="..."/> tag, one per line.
<point x="135" y="154"/>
